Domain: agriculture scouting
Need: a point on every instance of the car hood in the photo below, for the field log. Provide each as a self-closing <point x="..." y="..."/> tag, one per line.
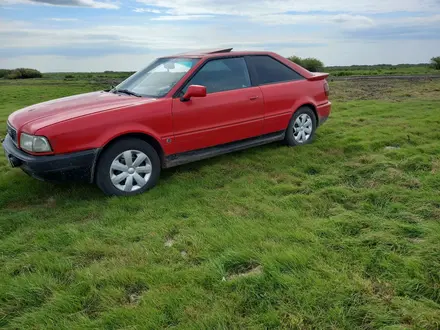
<point x="47" y="113"/>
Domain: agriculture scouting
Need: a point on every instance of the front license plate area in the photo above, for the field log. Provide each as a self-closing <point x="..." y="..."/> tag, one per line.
<point x="9" y="159"/>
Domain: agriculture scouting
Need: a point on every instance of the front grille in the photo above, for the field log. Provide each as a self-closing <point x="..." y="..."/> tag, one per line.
<point x="12" y="133"/>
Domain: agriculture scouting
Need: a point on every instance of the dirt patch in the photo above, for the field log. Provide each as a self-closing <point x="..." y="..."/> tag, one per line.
<point x="255" y="271"/>
<point x="394" y="173"/>
<point x="416" y="240"/>
<point x="237" y="210"/>
<point x="169" y="242"/>
<point x="412" y="183"/>
<point x="383" y="290"/>
<point x="134" y="292"/>
<point x="435" y="166"/>
<point x="335" y="152"/>
<point x="51" y="202"/>
<point x="134" y="299"/>
<point x="277" y="178"/>
<point x="384" y="89"/>
<point x="391" y="147"/>
<point x="17" y="206"/>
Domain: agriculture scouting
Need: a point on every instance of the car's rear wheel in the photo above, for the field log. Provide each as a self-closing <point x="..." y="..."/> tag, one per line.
<point x="128" y="167"/>
<point x="302" y="127"/>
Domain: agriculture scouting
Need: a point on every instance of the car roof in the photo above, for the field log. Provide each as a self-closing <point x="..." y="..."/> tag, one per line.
<point x="217" y="52"/>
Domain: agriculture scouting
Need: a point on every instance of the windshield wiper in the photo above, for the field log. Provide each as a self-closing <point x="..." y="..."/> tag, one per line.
<point x="126" y="91"/>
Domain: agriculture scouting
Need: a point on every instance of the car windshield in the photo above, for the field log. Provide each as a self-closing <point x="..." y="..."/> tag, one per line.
<point x="157" y="79"/>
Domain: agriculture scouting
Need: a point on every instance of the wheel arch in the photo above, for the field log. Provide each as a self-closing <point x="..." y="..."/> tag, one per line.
<point x="142" y="136"/>
<point x="312" y="107"/>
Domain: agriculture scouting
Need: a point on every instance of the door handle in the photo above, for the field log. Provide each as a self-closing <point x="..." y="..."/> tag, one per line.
<point x="253" y="98"/>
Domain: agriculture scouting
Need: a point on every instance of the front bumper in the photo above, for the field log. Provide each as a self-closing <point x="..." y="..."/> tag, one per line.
<point x="77" y="166"/>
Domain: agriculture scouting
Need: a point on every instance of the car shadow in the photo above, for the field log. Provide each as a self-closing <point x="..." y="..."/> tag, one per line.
<point x="196" y="166"/>
<point x="18" y="190"/>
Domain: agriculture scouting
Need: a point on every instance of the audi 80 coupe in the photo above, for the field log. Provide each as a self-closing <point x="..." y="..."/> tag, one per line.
<point x="179" y="109"/>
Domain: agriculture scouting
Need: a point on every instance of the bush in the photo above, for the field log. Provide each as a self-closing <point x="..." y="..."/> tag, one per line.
<point x="295" y="59"/>
<point x="310" y="63"/>
<point x="313" y="64"/>
<point x="23" y="73"/>
<point x="4" y="72"/>
<point x="342" y="74"/>
<point x="435" y="62"/>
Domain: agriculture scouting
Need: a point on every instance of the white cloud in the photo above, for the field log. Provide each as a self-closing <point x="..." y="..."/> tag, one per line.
<point x="364" y="52"/>
<point x="265" y="7"/>
<point x="342" y="33"/>
<point x="425" y="20"/>
<point x="59" y="19"/>
<point x="156" y="36"/>
<point x="180" y="17"/>
<point x="344" y="20"/>
<point x="352" y="19"/>
<point x="50" y="63"/>
<point x="69" y="3"/>
<point x="147" y="10"/>
<point x="338" y="53"/>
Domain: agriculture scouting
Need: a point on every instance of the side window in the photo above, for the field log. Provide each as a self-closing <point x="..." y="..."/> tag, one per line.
<point x="271" y="71"/>
<point x="222" y="75"/>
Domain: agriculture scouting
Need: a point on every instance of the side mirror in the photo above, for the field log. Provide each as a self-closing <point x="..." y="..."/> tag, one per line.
<point x="194" y="91"/>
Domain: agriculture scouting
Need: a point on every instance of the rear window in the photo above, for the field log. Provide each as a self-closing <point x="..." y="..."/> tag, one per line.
<point x="270" y="71"/>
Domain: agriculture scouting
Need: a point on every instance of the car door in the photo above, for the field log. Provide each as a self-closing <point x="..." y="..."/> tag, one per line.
<point x="281" y="86"/>
<point x="232" y="110"/>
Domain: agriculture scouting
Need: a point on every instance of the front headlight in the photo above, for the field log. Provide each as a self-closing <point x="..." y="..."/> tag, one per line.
<point x="34" y="143"/>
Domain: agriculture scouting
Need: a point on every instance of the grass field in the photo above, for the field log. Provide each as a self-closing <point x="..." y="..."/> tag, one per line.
<point x="340" y="234"/>
<point x="381" y="70"/>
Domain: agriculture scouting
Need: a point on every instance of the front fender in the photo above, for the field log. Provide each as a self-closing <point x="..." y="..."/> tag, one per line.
<point x="127" y="128"/>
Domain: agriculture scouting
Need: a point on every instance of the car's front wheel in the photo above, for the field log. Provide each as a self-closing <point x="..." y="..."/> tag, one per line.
<point x="302" y="126"/>
<point x="128" y="167"/>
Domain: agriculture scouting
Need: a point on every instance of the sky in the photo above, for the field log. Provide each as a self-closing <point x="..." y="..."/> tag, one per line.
<point x="98" y="35"/>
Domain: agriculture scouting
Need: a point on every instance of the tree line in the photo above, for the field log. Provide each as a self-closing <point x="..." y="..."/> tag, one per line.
<point x="20" y="73"/>
<point x="314" y="65"/>
<point x="310" y="63"/>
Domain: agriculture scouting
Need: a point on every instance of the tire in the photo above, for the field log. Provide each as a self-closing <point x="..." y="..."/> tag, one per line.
<point x="298" y="127"/>
<point x="115" y="178"/>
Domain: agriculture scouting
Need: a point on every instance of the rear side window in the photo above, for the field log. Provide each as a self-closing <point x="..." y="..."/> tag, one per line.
<point x="222" y="75"/>
<point x="269" y="70"/>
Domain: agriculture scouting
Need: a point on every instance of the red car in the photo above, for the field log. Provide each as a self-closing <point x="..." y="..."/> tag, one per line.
<point x="177" y="110"/>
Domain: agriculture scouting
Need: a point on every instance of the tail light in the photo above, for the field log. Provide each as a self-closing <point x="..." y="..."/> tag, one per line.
<point x="326" y="88"/>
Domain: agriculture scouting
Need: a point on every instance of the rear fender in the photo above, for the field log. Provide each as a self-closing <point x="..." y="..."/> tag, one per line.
<point x="304" y="101"/>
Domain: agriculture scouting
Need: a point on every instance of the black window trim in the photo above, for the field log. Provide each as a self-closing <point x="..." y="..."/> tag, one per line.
<point x="254" y="75"/>
<point x="177" y="93"/>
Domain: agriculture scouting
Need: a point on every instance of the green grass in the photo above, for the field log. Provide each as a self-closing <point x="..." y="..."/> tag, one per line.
<point x="340" y="234"/>
<point x="401" y="69"/>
